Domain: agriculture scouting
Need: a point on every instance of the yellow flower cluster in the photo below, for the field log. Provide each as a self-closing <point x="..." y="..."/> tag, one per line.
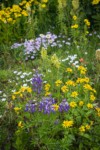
<point x="75" y="26"/>
<point x="69" y="70"/>
<point x="82" y="70"/>
<point x="90" y="106"/>
<point x="73" y="104"/>
<point x="17" y="109"/>
<point x="64" y="89"/>
<point x="83" y="80"/>
<point x="43" y="4"/>
<point x="83" y="128"/>
<point x="95" y="2"/>
<point x="98" y="111"/>
<point x="81" y="103"/>
<point x="87" y="22"/>
<point x="10" y="14"/>
<point x="87" y="87"/>
<point x="20" y="124"/>
<point x="47" y="88"/>
<point x="70" y="83"/>
<point x="21" y="91"/>
<point x="67" y="124"/>
<point x="74" y="94"/>
<point x="55" y="107"/>
<point x="74" y="17"/>
<point x="92" y="97"/>
<point x="58" y="82"/>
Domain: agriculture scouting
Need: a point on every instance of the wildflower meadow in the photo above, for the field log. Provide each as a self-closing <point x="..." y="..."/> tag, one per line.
<point x="50" y="75"/>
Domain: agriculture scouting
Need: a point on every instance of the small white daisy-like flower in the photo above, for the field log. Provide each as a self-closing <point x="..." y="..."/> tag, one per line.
<point x="3" y="99"/>
<point x="4" y="95"/>
<point x="15" y="72"/>
<point x="22" y="76"/>
<point x="25" y="84"/>
<point x="19" y="73"/>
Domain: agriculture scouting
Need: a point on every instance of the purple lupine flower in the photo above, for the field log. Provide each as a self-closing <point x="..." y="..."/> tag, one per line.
<point x="30" y="108"/>
<point x="63" y="106"/>
<point x="46" y="105"/>
<point x="37" y="83"/>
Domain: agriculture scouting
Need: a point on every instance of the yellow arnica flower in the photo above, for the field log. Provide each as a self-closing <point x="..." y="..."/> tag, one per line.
<point x="58" y="82"/>
<point x="16" y="93"/>
<point x="70" y="83"/>
<point x="87" y="22"/>
<point x="82" y="80"/>
<point x="87" y="87"/>
<point x="9" y="20"/>
<point x="29" y="89"/>
<point x="89" y="105"/>
<point x="95" y="2"/>
<point x="73" y="104"/>
<point x="67" y="124"/>
<point x="82" y="69"/>
<point x="97" y="109"/>
<point x="64" y="89"/>
<point x="74" y="17"/>
<point x="55" y="107"/>
<point x="47" y="93"/>
<point x="43" y="5"/>
<point x="47" y="87"/>
<point x="75" y="26"/>
<point x="24" y="13"/>
<point x="92" y="97"/>
<point x="17" y="109"/>
<point x="20" y="124"/>
<point x="13" y="97"/>
<point x="82" y="129"/>
<point x="69" y="70"/>
<point x="87" y="127"/>
<point x="23" y="88"/>
<point x="81" y="103"/>
<point x="74" y="94"/>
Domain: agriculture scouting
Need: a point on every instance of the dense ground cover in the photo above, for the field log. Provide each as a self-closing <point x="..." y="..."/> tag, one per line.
<point x="49" y="75"/>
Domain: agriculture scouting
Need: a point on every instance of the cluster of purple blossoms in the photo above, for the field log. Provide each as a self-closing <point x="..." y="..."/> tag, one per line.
<point x="30" y="107"/>
<point x="46" y="106"/>
<point x="31" y="47"/>
<point x="63" y="106"/>
<point x="37" y="83"/>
